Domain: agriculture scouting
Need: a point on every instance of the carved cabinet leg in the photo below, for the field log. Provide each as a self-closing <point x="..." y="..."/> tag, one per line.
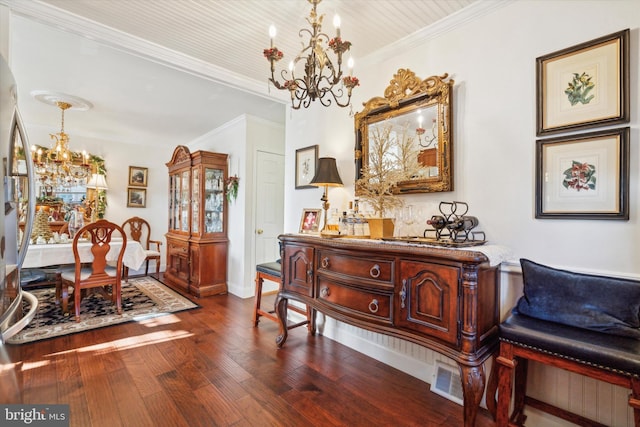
<point x="473" y="381"/>
<point x="281" y="311"/>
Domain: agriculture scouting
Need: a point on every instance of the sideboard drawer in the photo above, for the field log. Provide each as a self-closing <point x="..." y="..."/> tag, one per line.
<point x="365" y="303"/>
<point x="377" y="269"/>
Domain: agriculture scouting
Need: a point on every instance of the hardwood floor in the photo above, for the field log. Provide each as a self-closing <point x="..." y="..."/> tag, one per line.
<point x="211" y="367"/>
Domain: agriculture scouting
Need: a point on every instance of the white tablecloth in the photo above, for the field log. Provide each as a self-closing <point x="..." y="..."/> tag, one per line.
<point x="62" y="253"/>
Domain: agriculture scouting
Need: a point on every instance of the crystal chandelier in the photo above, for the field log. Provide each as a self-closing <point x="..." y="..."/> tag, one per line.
<point x="59" y="166"/>
<point x="323" y="79"/>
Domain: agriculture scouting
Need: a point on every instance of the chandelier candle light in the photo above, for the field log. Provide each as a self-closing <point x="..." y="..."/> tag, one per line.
<point x="322" y="79"/>
<point x="59" y="166"/>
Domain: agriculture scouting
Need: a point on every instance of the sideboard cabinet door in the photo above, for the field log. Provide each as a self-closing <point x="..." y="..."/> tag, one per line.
<point x="428" y="298"/>
<point x="299" y="267"/>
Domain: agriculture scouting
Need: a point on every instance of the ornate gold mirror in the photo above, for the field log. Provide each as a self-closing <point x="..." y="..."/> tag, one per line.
<point x="413" y="123"/>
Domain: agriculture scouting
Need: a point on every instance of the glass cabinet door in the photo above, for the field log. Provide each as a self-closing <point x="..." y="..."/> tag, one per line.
<point x="174" y="201"/>
<point x="184" y="202"/>
<point x="214" y="200"/>
<point x="195" y="201"/>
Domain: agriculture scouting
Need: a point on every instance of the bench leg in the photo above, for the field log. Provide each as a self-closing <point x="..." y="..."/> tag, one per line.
<point x="634" y="400"/>
<point x="492" y="387"/>
<point x="520" y="391"/>
<point x="257" y="300"/>
<point x="506" y="365"/>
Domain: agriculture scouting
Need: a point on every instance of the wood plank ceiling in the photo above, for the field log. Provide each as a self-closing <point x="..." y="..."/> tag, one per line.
<point x="232" y="33"/>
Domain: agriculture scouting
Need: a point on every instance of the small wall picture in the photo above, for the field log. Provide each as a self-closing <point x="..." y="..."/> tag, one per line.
<point x="306" y="161"/>
<point x="136" y="197"/>
<point x="310" y="221"/>
<point x="138" y="176"/>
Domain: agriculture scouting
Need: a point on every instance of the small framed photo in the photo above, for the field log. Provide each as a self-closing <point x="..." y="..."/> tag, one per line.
<point x="306" y="161"/>
<point x="136" y="197"/>
<point x="583" y="176"/>
<point x="584" y="86"/>
<point x="138" y="176"/>
<point x="310" y="221"/>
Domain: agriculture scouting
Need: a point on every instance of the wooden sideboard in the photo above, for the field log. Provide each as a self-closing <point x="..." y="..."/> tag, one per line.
<point x="443" y="299"/>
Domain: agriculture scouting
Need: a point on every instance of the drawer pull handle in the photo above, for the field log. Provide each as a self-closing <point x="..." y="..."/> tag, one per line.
<point x="325" y="292"/>
<point x="375" y="271"/>
<point x="403" y="293"/>
<point x="325" y="262"/>
<point x="374" y="306"/>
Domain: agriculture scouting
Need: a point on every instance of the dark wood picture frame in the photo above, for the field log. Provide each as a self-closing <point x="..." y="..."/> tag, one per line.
<point x="306" y="163"/>
<point x="584" y="86"/>
<point x="136" y="197"/>
<point x="584" y="176"/>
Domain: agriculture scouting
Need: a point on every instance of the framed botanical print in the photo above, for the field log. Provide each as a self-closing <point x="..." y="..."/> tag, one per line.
<point x="138" y="176"/>
<point x="136" y="197"/>
<point x="306" y="161"/>
<point x="584" y="176"/>
<point x="584" y="86"/>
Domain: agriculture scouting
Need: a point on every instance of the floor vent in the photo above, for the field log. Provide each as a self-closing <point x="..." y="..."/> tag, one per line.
<point x="446" y="382"/>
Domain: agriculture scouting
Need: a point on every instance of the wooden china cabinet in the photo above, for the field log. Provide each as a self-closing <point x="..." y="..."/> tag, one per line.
<point x="197" y="238"/>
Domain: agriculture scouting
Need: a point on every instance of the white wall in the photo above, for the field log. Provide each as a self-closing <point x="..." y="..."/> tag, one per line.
<point x="492" y="59"/>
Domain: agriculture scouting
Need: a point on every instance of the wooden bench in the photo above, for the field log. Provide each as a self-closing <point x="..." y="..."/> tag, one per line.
<point x="581" y="323"/>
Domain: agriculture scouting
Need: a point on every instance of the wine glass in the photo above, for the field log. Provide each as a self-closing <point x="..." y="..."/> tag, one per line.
<point x="408" y="219"/>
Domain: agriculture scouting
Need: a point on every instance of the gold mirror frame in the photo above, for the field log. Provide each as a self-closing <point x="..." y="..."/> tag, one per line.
<point x="406" y="94"/>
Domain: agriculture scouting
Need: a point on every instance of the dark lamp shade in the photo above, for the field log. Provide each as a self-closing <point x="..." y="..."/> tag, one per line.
<point x="327" y="173"/>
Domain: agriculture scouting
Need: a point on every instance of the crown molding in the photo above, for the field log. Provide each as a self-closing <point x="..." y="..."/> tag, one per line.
<point x="65" y="21"/>
<point x="420" y="37"/>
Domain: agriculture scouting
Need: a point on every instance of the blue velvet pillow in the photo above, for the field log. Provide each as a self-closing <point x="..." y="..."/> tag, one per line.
<point x="598" y="303"/>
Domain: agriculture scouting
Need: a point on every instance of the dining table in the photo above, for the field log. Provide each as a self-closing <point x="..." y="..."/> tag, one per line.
<point x="44" y="255"/>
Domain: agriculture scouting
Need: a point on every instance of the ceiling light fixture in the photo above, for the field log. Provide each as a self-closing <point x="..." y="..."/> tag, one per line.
<point x="59" y="166"/>
<point x="323" y="78"/>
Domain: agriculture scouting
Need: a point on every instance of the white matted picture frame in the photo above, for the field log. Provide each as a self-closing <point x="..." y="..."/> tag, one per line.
<point x="310" y="221"/>
<point x="583" y="176"/>
<point x="584" y="86"/>
<point x="306" y="163"/>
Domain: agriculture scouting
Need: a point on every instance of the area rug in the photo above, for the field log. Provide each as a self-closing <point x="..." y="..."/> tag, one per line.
<point x="142" y="298"/>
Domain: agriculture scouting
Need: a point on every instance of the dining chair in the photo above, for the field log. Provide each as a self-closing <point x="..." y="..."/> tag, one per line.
<point x="64" y="228"/>
<point x="138" y="229"/>
<point x="97" y="274"/>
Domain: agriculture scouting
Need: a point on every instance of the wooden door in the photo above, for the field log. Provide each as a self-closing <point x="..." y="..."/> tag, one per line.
<point x="269" y="217"/>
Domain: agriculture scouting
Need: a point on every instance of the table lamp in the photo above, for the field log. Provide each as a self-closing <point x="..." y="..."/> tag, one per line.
<point x="327" y="175"/>
<point x="97" y="182"/>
